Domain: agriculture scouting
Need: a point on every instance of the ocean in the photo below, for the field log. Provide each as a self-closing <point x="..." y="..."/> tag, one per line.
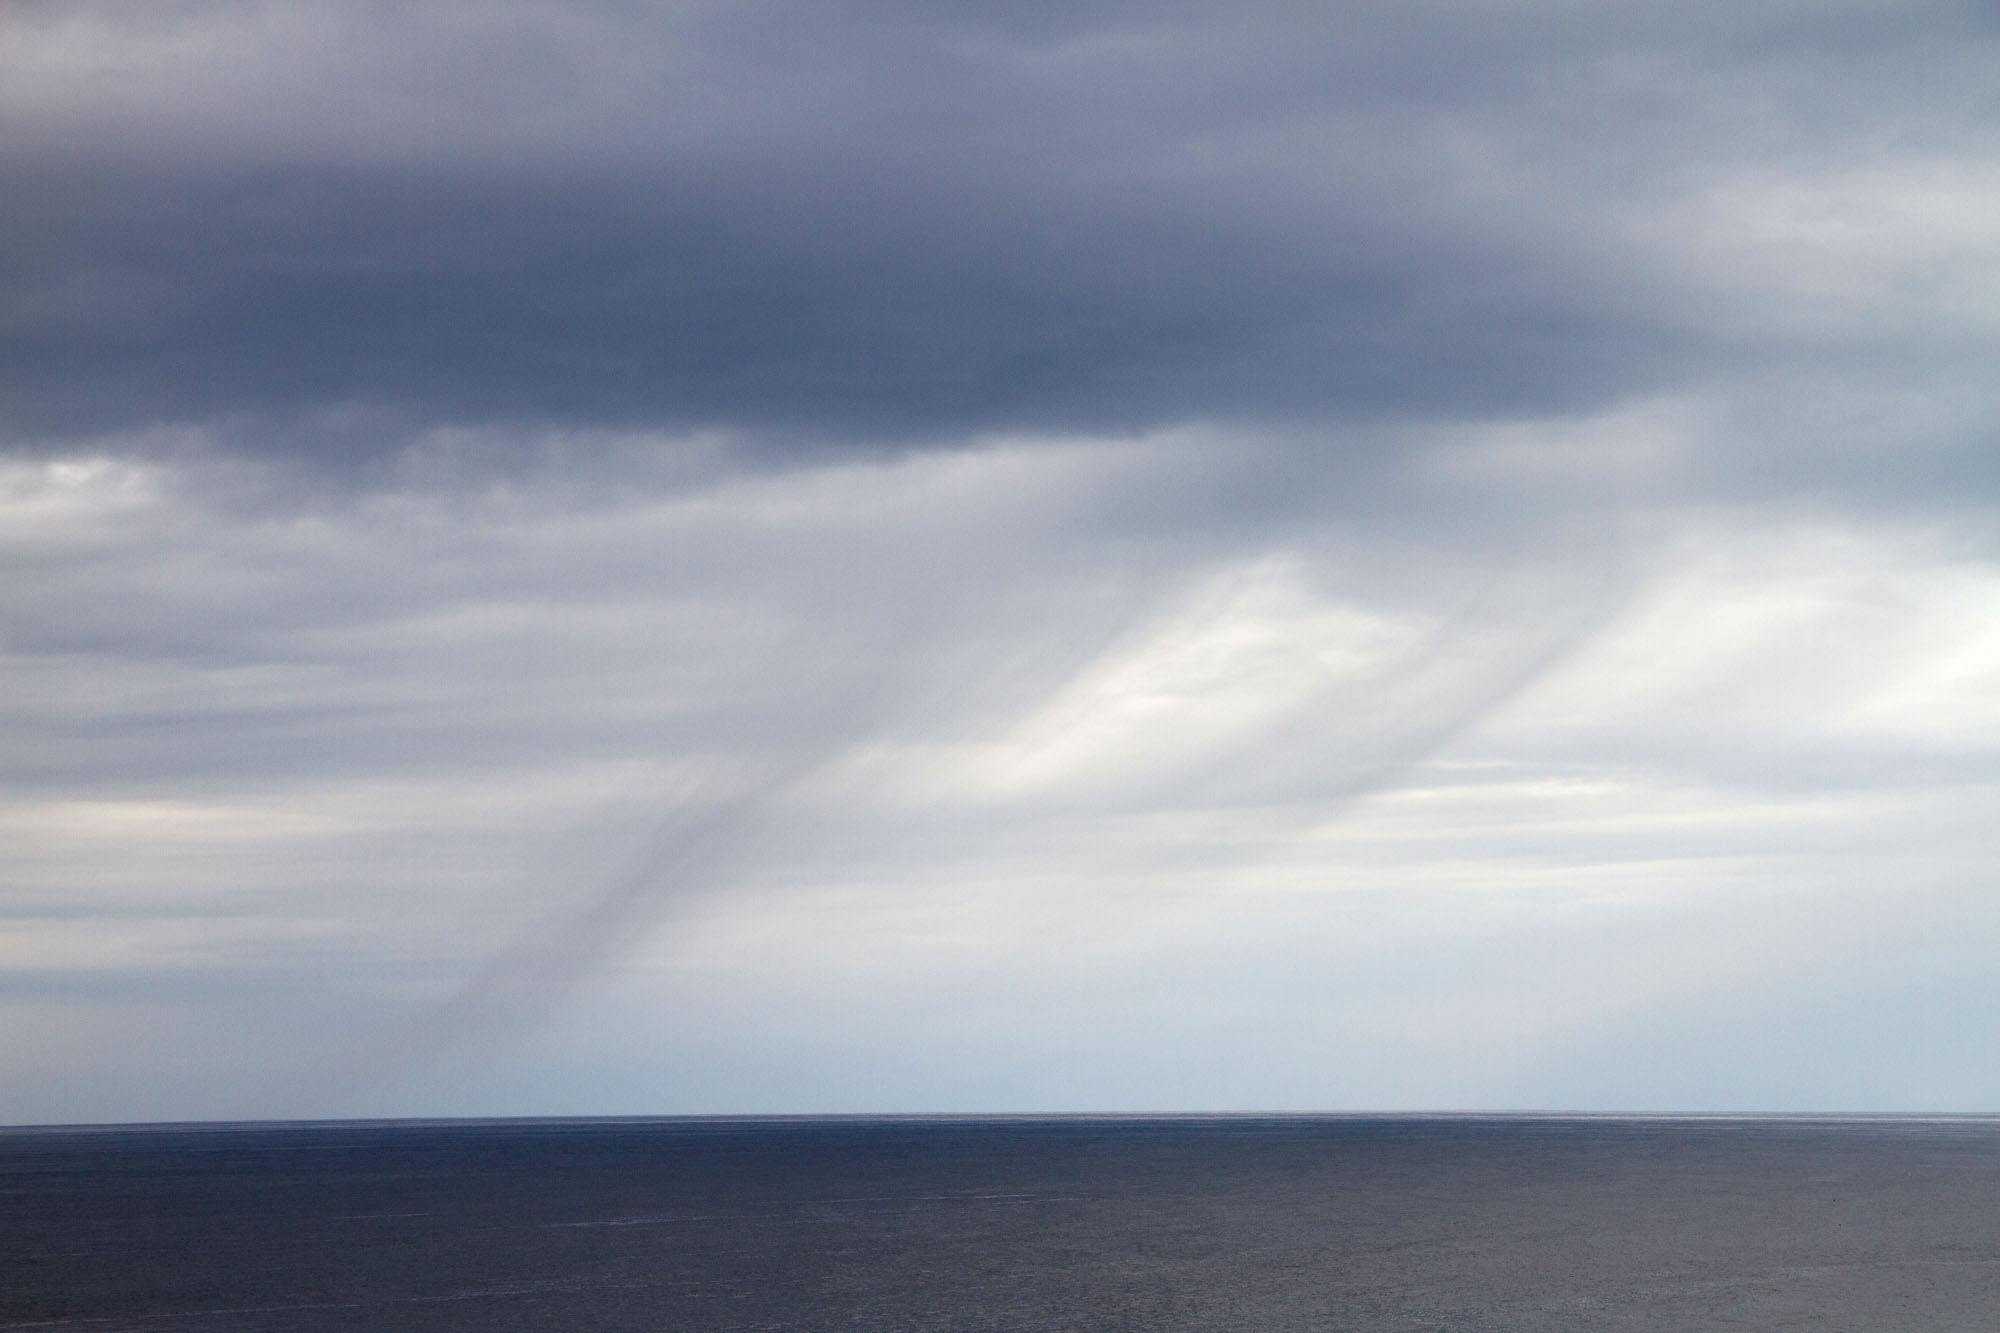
<point x="1218" y="1222"/>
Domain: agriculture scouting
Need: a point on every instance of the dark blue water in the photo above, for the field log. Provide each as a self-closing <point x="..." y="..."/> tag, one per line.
<point x="1228" y="1223"/>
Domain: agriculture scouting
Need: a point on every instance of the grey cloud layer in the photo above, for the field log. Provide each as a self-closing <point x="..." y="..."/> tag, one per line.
<point x="401" y="771"/>
<point x="865" y="223"/>
<point x="1479" y="561"/>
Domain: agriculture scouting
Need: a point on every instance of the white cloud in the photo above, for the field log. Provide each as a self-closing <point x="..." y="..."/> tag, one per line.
<point x="1036" y="790"/>
<point x="1238" y="654"/>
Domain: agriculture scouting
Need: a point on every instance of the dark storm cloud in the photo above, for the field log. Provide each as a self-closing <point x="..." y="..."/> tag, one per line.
<point x="871" y="222"/>
<point x="565" y="304"/>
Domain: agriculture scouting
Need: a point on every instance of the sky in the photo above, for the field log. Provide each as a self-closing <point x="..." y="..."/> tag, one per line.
<point x="859" y="556"/>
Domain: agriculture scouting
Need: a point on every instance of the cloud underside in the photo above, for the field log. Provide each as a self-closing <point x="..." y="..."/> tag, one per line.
<point x="866" y="337"/>
<point x="843" y="225"/>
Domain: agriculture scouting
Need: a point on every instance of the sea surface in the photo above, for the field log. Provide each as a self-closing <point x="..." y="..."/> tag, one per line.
<point x="1237" y="1222"/>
